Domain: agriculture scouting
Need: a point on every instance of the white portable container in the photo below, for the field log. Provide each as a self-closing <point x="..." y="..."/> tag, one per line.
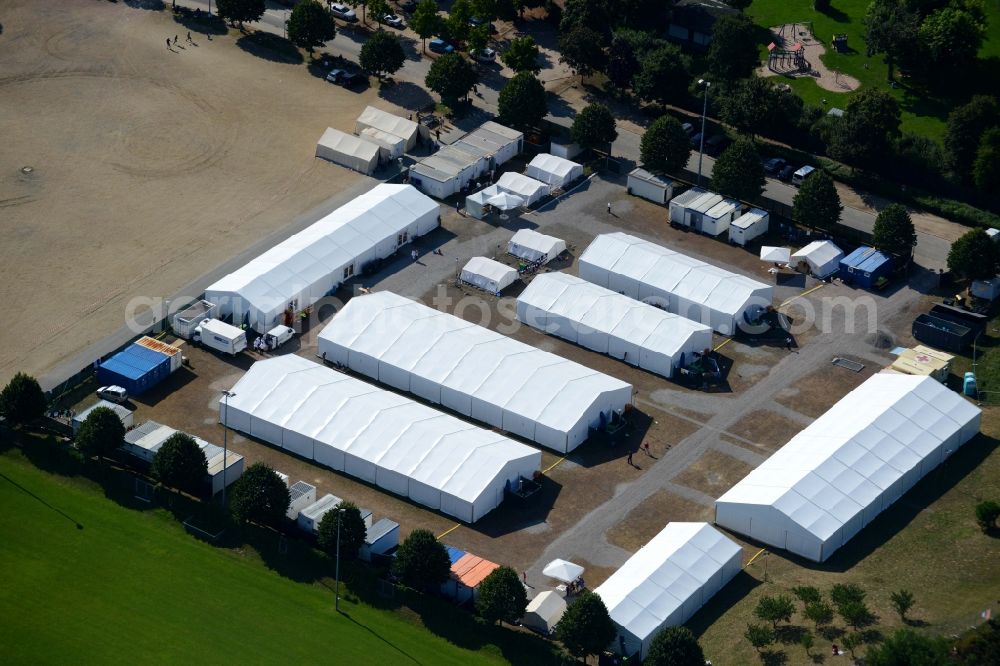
<point x="310" y="517"/>
<point x="748" y="226"/>
<point x="382" y="537"/>
<point x="185" y="321"/>
<point x="220" y="336"/>
<point x="642" y="183"/>
<point x="301" y="495"/>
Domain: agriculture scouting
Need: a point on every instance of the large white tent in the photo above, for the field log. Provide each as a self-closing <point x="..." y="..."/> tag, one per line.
<point x="822" y="258"/>
<point x="348" y="151"/>
<point x="389" y="123"/>
<point x="390" y="145"/>
<point x="530" y="245"/>
<point x="834" y="477"/>
<point x="557" y="172"/>
<point x="607" y="322"/>
<point x="472" y="370"/>
<point x="529" y="189"/>
<point x="377" y="436"/>
<point x="311" y="264"/>
<point x="679" y="283"/>
<point x="488" y="275"/>
<point x="667" y="581"/>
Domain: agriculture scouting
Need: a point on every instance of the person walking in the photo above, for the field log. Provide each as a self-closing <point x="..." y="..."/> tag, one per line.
<point x="646" y="449"/>
<point x="190" y="41"/>
<point x="788" y="343"/>
<point x="168" y="42"/>
<point x="609" y="208"/>
<point x="629" y="459"/>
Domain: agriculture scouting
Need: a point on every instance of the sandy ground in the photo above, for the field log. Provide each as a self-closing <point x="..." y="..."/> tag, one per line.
<point x="786" y="36"/>
<point x="149" y="167"/>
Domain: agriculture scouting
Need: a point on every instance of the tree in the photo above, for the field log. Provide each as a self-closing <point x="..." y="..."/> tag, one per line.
<point x="902" y="601"/>
<point x="180" y="463"/>
<point x="845" y="593"/>
<point x="974" y="256"/>
<point x="22" y="400"/>
<point x="865" y="133"/>
<point x="739" y="5"/>
<point x="664" y="74"/>
<point x="752" y="105"/>
<point x="890" y="29"/>
<point x="675" y="646"/>
<point x="856" y="614"/>
<point x="986" y="168"/>
<point x="501" y="597"/>
<point x="422" y="561"/>
<point x="817" y="202"/>
<point x="908" y="648"/>
<point x="425" y="21"/>
<point x="852" y="641"/>
<point x="581" y="49"/>
<point x="966" y="126"/>
<point x="352" y="530"/>
<point x="665" y="146"/>
<point x="364" y="8"/>
<point x="452" y="77"/>
<point x="807" y="594"/>
<point x="522" y="101"/>
<point x="594" y="127"/>
<point x="987" y="513"/>
<point x="259" y="496"/>
<point x="759" y="636"/>
<point x="241" y="11"/>
<point x="522" y="55"/>
<point x="379" y="8"/>
<point x="819" y="613"/>
<point x="806" y="641"/>
<point x="382" y="54"/>
<point x="774" y="609"/>
<point x="310" y="25"/>
<point x="457" y="24"/>
<point x="738" y="171"/>
<point x="732" y="54"/>
<point x="894" y="232"/>
<point x="585" y="627"/>
<point x="623" y="65"/>
<point x="980" y="645"/>
<point x="951" y="37"/>
<point x="591" y="14"/>
<point x="100" y="434"/>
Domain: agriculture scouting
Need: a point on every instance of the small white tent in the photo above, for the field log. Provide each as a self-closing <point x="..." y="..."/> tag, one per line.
<point x="488" y="275"/>
<point x="555" y="171"/>
<point x="774" y="255"/>
<point x="391" y="146"/>
<point x="529" y="189"/>
<point x="563" y="570"/>
<point x="348" y="150"/>
<point x="389" y="123"/>
<point x="530" y="245"/>
<point x="476" y="203"/>
<point x="821" y="258"/>
<point x="544" y="612"/>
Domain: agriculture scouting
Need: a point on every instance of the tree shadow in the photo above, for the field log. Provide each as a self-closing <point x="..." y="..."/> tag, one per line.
<point x="50" y="454"/>
<point x="917" y="623"/>
<point x="773" y="657"/>
<point x="201" y="22"/>
<point x="835" y="14"/>
<point x="790" y="634"/>
<point x="150" y="5"/>
<point x="406" y="95"/>
<point x="270" y="47"/>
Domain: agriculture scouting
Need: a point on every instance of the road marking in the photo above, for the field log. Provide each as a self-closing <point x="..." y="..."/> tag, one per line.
<point x="550" y="467"/>
<point x="449" y="530"/>
<point x="754" y="557"/>
<point x="723" y="344"/>
<point x="804" y="293"/>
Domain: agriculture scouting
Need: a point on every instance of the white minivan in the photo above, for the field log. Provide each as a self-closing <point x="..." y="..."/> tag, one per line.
<point x="278" y="336"/>
<point x="799" y="176"/>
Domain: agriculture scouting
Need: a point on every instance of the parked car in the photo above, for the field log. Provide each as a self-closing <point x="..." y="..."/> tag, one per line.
<point x="394" y="20"/>
<point x="344" y="78"/>
<point x="438" y="45"/>
<point x="343" y="12"/>
<point x="430" y="122"/>
<point x="799" y="176"/>
<point x="786" y="173"/>
<point x="774" y="166"/>
<point x="409" y="6"/>
<point x="696" y="140"/>
<point x="484" y="55"/>
<point x="475" y="22"/>
<point x="688" y="128"/>
<point x="116" y="394"/>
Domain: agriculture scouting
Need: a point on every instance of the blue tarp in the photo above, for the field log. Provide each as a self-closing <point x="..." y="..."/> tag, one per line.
<point x="136" y="368"/>
<point x="454" y="554"/>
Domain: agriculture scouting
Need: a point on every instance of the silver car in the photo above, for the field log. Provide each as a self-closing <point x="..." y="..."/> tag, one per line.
<point x="343" y="12"/>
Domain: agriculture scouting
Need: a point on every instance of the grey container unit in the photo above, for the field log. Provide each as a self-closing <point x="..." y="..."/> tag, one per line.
<point x="657" y="189"/>
<point x="942" y="333"/>
<point x="366" y="517"/>
<point x="185" y="321"/>
<point x="382" y="537"/>
<point x="310" y="517"/>
<point x="302" y="495"/>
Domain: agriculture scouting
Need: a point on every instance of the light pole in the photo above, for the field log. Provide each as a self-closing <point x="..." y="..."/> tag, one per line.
<point x="336" y="593"/>
<point x="226" y="395"/>
<point x="704" y="110"/>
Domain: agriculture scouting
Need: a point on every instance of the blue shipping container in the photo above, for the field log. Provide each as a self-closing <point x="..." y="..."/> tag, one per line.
<point x="865" y="266"/>
<point x="135" y="368"/>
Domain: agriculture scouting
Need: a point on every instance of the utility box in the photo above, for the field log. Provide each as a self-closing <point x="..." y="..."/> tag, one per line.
<point x="185" y="321"/>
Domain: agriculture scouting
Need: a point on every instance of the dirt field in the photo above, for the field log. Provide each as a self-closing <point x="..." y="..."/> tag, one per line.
<point x="817" y="392"/>
<point x="149" y="167"/>
<point x="713" y="473"/>
<point x="763" y="431"/>
<point x="646" y="520"/>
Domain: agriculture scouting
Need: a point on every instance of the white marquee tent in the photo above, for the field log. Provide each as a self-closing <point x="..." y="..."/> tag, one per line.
<point x="821" y="257"/>
<point x="475" y="203"/>
<point x="389" y="123"/>
<point x="666" y="581"/>
<point x="837" y="475"/>
<point x="377" y="436"/>
<point x="529" y="189"/>
<point x="555" y="171"/>
<point x="777" y="255"/>
<point x="679" y="283"/>
<point x="609" y="323"/>
<point x="544" y="612"/>
<point x="390" y="145"/>
<point x="530" y="245"/>
<point x="311" y="264"/>
<point x="488" y="275"/>
<point x="472" y="370"/>
<point x="348" y="151"/>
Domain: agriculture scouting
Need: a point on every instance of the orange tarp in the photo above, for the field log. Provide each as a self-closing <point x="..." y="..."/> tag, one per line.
<point x="470" y="570"/>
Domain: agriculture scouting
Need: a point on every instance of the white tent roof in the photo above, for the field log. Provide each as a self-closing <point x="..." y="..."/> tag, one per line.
<point x="556" y="171"/>
<point x="488" y="274"/>
<point x="484" y="195"/>
<point x="749" y="218"/>
<point x="383" y="438"/>
<point x="837" y="474"/>
<point x="355" y="152"/>
<point x="668" y="579"/>
<point x="396" y="145"/>
<point x="505" y="201"/>
<point x="563" y="570"/>
<point x="389" y="123"/>
<point x="531" y="245"/>
<point x="689" y="286"/>
<point x="544" y="611"/>
<point x="774" y="254"/>
<point x="529" y="189"/>
<point x="823" y="257"/>
<point x="471" y="369"/>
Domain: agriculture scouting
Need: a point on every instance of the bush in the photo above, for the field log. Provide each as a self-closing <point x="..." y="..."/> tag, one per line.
<point x="352" y="530"/>
<point x="100" y="434"/>
<point x="422" y="561"/>
<point x="502" y="597"/>
<point x="585" y="627"/>
<point x="259" y="496"/>
<point x="22" y="400"/>
<point x="180" y="463"/>
<point x="987" y="513"/>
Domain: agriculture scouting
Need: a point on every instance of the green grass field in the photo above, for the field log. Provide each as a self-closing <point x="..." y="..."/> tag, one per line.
<point x="130" y="585"/>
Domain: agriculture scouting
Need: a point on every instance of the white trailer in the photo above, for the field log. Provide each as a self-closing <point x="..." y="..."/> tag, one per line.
<point x="185" y="321"/>
<point x="657" y="189"/>
<point x="302" y="495"/>
<point x="310" y="517"/>
<point x="748" y="226"/>
<point x="382" y="537"/>
<point x="220" y="336"/>
<point x="679" y="204"/>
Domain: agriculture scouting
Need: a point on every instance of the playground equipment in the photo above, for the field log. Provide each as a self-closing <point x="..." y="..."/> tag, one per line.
<point x="787" y="61"/>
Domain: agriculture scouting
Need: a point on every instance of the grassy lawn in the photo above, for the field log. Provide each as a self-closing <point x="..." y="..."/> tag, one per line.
<point x="85" y="577"/>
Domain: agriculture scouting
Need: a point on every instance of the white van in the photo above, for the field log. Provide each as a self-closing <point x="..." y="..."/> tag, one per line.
<point x="801" y="175"/>
<point x="278" y="336"/>
<point x="220" y="336"/>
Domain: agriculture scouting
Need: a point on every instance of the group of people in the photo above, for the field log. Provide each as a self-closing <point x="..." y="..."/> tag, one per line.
<point x="260" y="345"/>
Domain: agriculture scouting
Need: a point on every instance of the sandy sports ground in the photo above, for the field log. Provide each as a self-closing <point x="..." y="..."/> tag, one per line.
<point x="149" y="167"/>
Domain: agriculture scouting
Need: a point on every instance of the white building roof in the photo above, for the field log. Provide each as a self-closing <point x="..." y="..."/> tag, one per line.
<point x="530" y="245"/>
<point x="750" y="218"/>
<point x="610" y="323"/>
<point x="651" y="178"/>
<point x="530" y="189"/>
<point x="347" y="149"/>
<point x="389" y="123"/>
<point x="489" y="275"/>
<point x="556" y="171"/>
<point x="378" y="436"/>
<point x="686" y="197"/>
<point x="471" y="369"/>
<point x="490" y="138"/>
<point x="836" y="475"/>
<point x="667" y="580"/>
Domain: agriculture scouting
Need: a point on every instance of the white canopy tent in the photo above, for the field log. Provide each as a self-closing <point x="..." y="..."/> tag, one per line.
<point x="544" y="612"/>
<point x="667" y="581"/>
<point x="563" y="570"/>
<point x="833" y="478"/>
<point x="609" y="323"/>
<point x="476" y="203"/>
<point x="472" y="370"/>
<point x="555" y="171"/>
<point x="311" y="264"/>
<point x="488" y="275"/>
<point x="377" y="436"/>
<point x="389" y="123"/>
<point x="505" y="201"/>
<point x="777" y="255"/>
<point x="391" y="146"/>
<point x="530" y="245"/>
<point x="348" y="151"/>
<point x="529" y="189"/>
<point x="678" y="283"/>
<point x="821" y="257"/>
